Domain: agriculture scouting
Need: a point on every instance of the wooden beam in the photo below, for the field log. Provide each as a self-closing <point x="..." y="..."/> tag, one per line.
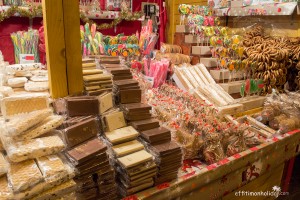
<point x="55" y="47"/>
<point x="73" y="46"/>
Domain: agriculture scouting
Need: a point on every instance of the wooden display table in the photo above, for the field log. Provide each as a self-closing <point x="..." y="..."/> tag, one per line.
<point x="257" y="169"/>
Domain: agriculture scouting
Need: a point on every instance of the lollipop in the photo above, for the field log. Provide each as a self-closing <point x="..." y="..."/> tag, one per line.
<point x="184" y="9"/>
<point x="191" y="21"/>
<point x="206" y="22"/>
<point x="211" y="21"/>
<point x="240" y="51"/>
<point x="227" y="41"/>
<point x="236" y="39"/>
<point x="199" y="31"/>
<point x="213" y="41"/>
<point x="113" y="40"/>
<point x="224" y="31"/>
<point x="231" y="66"/>
<point x="217" y="21"/>
<point x="199" y="20"/>
<point x="193" y="8"/>
<point x="219" y="41"/>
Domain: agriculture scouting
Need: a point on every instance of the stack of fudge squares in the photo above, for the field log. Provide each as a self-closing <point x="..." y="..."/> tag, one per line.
<point x="95" y="177"/>
<point x="31" y="164"/>
<point x="95" y="81"/>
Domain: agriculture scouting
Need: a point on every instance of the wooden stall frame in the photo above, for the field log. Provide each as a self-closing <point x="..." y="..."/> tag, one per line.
<point x="62" y="37"/>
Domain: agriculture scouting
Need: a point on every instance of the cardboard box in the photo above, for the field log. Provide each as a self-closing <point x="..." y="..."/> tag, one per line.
<point x="220" y="75"/>
<point x="190" y="39"/>
<point x="202" y="50"/>
<point x="209" y="62"/>
<point x="182" y="29"/>
<point x="232" y="87"/>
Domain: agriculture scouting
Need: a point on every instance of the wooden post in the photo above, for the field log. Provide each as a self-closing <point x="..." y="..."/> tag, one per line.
<point x="73" y="46"/>
<point x="62" y="38"/>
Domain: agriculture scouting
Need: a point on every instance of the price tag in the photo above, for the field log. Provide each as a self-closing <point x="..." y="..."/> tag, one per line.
<point x="26" y="58"/>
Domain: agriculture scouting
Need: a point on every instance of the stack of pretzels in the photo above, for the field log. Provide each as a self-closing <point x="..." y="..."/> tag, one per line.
<point x="270" y="58"/>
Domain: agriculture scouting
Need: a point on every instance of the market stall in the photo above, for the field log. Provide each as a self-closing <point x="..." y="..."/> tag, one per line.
<point x="213" y="114"/>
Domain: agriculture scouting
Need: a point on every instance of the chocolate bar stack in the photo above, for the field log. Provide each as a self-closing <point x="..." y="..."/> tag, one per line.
<point x="119" y="73"/>
<point x="95" y="81"/>
<point x="168" y="159"/>
<point x="80" y="107"/>
<point x="167" y="153"/>
<point x="95" y="177"/>
<point x="143" y="125"/>
<point x="131" y="161"/>
<point x="104" y="59"/>
<point x="156" y="136"/>
<point x="127" y="91"/>
<point x="136" y="172"/>
<point x="136" y="111"/>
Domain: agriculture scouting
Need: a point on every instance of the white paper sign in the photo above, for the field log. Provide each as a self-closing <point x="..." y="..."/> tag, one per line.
<point x="26" y="58"/>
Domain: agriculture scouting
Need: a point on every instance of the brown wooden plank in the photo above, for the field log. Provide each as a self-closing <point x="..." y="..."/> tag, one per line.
<point x="73" y="46"/>
<point x="55" y="47"/>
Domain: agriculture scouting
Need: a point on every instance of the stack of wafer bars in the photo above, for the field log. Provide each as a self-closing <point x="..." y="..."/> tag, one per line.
<point x="95" y="81"/>
<point x="32" y="167"/>
<point x="87" y="153"/>
<point x="135" y="167"/>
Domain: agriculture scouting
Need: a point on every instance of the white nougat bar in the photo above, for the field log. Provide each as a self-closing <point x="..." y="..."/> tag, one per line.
<point x="57" y="192"/>
<point x="5" y="190"/>
<point x="127" y="148"/>
<point x="23" y="175"/>
<point x="44" y="186"/>
<point x="19" y="124"/>
<point x="34" y="148"/>
<point x="23" y="67"/>
<point x="43" y="127"/>
<point x="114" y="121"/>
<point x="52" y="167"/>
<point x="23" y="104"/>
<point x="135" y="158"/>
<point x="3" y="165"/>
<point x="122" y="135"/>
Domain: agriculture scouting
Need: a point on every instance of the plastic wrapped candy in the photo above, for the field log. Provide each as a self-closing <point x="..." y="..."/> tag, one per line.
<point x="236" y="142"/>
<point x="213" y="150"/>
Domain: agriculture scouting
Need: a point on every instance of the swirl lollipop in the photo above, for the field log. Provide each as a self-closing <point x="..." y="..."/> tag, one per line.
<point x="224" y="31"/>
<point x="227" y="41"/>
<point x="217" y="21"/>
<point x="236" y="39"/>
<point x="199" y="20"/>
<point x="184" y="9"/>
<point x="213" y="41"/>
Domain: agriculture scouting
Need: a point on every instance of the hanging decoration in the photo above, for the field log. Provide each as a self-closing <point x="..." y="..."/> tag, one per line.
<point x="37" y="11"/>
<point x="31" y="12"/>
<point x="124" y="15"/>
